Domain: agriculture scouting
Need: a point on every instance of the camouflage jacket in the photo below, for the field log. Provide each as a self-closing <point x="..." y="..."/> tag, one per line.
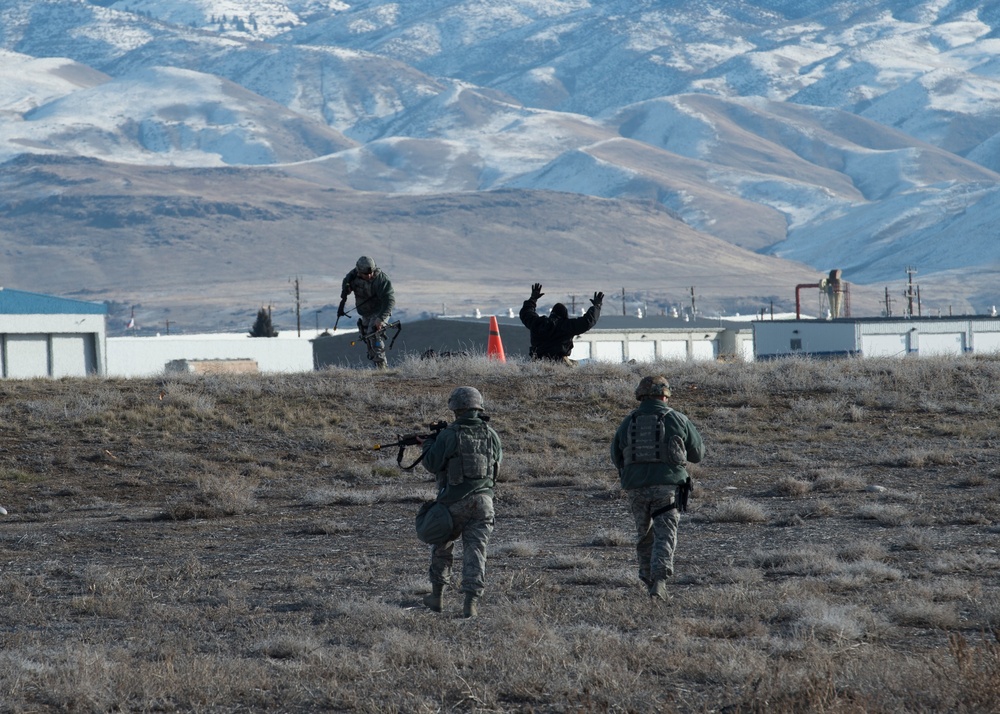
<point x="373" y="298"/>
<point x="656" y="474"/>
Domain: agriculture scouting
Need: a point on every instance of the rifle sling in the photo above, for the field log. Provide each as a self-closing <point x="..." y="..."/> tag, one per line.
<point x="399" y="459"/>
<point x="660" y="511"/>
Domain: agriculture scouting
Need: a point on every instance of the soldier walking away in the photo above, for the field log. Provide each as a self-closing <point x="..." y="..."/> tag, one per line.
<point x="465" y="458"/>
<point x="651" y="448"/>
<point x="552" y="335"/>
<point x="374" y="300"/>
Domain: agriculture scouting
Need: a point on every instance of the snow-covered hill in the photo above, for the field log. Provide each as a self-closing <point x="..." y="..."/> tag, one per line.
<point x="859" y="134"/>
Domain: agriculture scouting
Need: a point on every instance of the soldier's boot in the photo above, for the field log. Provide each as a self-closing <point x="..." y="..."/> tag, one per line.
<point x="471" y="607"/>
<point x="658" y="590"/>
<point x="433" y="599"/>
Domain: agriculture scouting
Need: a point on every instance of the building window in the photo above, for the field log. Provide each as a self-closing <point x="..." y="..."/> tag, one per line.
<point x="796" y="344"/>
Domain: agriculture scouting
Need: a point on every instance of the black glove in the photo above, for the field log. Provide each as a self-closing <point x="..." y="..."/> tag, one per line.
<point x="597" y="300"/>
<point x="340" y="312"/>
<point x="536" y="291"/>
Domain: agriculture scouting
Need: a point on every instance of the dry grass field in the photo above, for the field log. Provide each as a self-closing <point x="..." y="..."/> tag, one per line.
<point x="224" y="544"/>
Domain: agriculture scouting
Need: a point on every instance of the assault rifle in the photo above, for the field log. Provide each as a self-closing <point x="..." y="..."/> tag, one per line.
<point x="402" y="441"/>
<point x="370" y="337"/>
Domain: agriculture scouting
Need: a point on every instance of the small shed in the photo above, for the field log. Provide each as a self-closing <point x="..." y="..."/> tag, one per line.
<point x="877" y="337"/>
<point x="47" y="336"/>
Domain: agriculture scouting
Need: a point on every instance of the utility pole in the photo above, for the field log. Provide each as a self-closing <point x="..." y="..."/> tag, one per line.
<point x="298" y="309"/>
<point x="909" y="294"/>
<point x="168" y="327"/>
<point x="888" y="303"/>
<point x="317" y="321"/>
<point x="623" y="302"/>
<point x="694" y="310"/>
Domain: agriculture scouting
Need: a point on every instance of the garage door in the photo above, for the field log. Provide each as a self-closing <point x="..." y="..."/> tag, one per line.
<point x="73" y="355"/>
<point x="948" y="343"/>
<point x="884" y="345"/>
<point x="26" y="356"/>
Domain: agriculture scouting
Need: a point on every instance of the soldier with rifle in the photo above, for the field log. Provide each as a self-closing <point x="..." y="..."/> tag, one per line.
<point x="402" y="441"/>
<point x="465" y="459"/>
<point x="374" y="300"/>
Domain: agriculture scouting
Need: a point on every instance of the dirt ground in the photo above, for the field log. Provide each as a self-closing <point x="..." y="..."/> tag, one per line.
<point x="246" y="523"/>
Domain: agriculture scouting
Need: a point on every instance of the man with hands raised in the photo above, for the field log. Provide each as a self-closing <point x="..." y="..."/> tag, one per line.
<point x="552" y="335"/>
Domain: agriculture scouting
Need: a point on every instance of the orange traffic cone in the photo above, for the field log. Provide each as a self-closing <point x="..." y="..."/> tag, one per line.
<point x="494" y="348"/>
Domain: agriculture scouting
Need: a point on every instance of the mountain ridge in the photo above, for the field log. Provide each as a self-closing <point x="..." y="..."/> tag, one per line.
<point x="851" y="135"/>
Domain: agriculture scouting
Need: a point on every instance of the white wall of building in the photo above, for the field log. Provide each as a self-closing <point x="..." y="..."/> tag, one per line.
<point x="877" y="338"/>
<point x="51" y="345"/>
<point x="148" y="356"/>
<point x="652" y="345"/>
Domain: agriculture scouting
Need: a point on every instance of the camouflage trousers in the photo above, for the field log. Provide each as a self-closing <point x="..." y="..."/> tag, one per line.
<point x="473" y="519"/>
<point x="376" y="345"/>
<point x="656" y="534"/>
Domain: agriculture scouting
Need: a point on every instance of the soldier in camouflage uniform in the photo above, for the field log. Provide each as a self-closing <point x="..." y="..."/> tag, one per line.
<point x="374" y="299"/>
<point x="650" y="449"/>
<point x="465" y="457"/>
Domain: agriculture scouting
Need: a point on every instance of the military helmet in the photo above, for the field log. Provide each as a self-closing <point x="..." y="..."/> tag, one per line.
<point x="365" y="264"/>
<point x="657" y="386"/>
<point x="465" y="398"/>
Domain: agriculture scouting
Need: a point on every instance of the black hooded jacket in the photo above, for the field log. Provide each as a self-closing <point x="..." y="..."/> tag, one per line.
<point x="552" y="336"/>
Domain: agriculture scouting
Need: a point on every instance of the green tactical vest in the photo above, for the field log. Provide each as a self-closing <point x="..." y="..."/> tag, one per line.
<point x="475" y="459"/>
<point x="646" y="441"/>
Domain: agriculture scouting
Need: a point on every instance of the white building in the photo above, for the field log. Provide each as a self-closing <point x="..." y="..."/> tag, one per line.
<point x="655" y="338"/>
<point x="150" y="356"/>
<point x="46" y="336"/>
<point x="877" y="337"/>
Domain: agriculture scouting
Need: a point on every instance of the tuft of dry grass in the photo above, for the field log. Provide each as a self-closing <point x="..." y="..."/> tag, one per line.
<point x="737" y="510"/>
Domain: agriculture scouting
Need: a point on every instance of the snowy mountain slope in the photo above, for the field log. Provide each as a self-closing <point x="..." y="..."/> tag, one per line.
<point x="181" y="117"/>
<point x="941" y="227"/>
<point x="239" y="18"/>
<point x="26" y="82"/>
<point x="865" y="132"/>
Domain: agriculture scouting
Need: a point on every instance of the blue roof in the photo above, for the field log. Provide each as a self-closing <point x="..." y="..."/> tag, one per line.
<point x="18" y="302"/>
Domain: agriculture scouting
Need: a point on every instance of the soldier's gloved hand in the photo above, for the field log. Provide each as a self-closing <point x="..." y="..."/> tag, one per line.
<point x="340" y="312"/>
<point x="536" y="291"/>
<point x="597" y="300"/>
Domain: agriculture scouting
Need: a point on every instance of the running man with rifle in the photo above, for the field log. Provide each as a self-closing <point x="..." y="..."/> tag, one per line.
<point x="374" y="300"/>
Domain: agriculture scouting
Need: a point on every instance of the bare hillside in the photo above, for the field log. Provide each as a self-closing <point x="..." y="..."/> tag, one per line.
<point x="205" y="248"/>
